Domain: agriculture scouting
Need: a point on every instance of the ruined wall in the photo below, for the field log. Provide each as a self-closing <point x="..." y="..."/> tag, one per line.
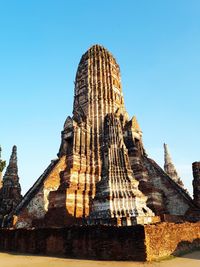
<point x="165" y="239"/>
<point x="136" y="243"/>
<point x="86" y="242"/>
<point x="37" y="206"/>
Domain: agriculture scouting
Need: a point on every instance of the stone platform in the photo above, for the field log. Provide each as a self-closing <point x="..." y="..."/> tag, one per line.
<point x="131" y="243"/>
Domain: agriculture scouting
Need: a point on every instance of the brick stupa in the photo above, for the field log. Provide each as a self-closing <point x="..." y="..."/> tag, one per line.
<point x="10" y="192"/>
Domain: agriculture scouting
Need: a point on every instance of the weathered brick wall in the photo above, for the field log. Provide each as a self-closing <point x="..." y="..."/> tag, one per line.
<point x="37" y="206"/>
<point x="89" y="242"/>
<point x="165" y="239"/>
<point x="135" y="243"/>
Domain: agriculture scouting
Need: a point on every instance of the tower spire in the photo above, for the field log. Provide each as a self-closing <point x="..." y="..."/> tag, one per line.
<point x="10" y="193"/>
<point x="12" y="169"/>
<point x="170" y="168"/>
<point x="2" y="166"/>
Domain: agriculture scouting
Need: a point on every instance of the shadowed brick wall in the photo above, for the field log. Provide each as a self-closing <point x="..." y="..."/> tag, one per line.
<point x="87" y="242"/>
<point x="135" y="243"/>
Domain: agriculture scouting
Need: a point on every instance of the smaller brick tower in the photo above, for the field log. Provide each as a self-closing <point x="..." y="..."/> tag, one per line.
<point x="196" y="182"/>
<point x="2" y="166"/>
<point x="170" y="168"/>
<point x="10" y="193"/>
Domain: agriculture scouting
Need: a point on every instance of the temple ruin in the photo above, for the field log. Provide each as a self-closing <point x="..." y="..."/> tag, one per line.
<point x="102" y="174"/>
<point x="103" y="197"/>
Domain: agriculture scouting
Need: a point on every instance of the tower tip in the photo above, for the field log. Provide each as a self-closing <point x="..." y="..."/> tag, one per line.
<point x="14" y="149"/>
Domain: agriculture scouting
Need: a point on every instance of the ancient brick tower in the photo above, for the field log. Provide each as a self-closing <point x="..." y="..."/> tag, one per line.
<point x="2" y="166"/>
<point x="196" y="182"/>
<point x="102" y="174"/>
<point x="98" y="182"/>
<point x="170" y="168"/>
<point x="10" y="193"/>
<point x="194" y="212"/>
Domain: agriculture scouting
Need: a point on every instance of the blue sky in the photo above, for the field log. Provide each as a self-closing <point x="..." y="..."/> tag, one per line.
<point x="156" y="44"/>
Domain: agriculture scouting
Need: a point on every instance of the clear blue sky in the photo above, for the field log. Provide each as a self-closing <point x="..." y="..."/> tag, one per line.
<point x="157" y="45"/>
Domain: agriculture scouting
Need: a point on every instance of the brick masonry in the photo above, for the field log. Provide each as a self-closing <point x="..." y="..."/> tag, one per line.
<point x="132" y="243"/>
<point x="165" y="239"/>
<point x="86" y="242"/>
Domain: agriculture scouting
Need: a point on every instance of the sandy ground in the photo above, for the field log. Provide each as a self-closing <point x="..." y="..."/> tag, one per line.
<point x="17" y="260"/>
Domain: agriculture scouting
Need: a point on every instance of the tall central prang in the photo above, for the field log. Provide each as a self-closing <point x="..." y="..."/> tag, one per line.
<point x="99" y="180"/>
<point x="103" y="174"/>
